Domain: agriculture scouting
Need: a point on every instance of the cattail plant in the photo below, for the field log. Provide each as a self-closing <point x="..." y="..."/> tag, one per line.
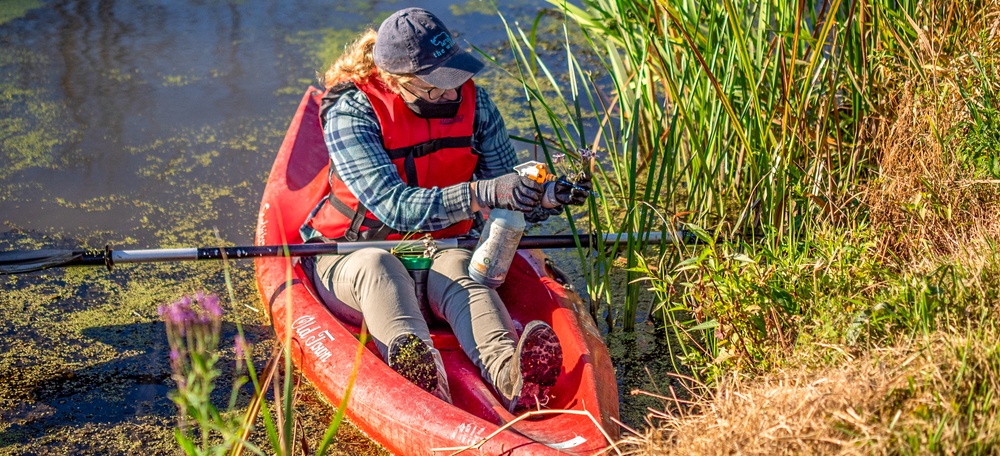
<point x="744" y="117"/>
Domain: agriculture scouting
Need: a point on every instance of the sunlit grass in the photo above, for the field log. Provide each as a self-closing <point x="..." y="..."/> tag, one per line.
<point x="735" y="114"/>
<point x="935" y="395"/>
<point x="836" y="161"/>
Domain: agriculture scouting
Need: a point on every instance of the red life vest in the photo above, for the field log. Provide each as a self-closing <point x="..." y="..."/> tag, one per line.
<point x="427" y="153"/>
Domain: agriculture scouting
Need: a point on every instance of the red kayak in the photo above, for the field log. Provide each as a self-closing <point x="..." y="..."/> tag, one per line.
<point x="405" y="419"/>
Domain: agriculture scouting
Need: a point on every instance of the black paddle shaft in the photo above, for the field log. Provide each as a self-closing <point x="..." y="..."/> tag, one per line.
<point x="27" y="261"/>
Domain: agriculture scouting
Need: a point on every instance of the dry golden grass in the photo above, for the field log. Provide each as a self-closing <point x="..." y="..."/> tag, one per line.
<point x="930" y="205"/>
<point x="941" y="395"/>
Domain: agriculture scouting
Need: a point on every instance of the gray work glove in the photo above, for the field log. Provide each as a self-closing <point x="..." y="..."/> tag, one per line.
<point x="560" y="193"/>
<point x="509" y="191"/>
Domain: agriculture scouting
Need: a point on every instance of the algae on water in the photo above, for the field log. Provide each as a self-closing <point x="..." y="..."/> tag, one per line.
<point x="15" y="9"/>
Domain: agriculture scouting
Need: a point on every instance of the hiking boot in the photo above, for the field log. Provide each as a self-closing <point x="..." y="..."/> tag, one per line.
<point x="412" y="358"/>
<point x="534" y="368"/>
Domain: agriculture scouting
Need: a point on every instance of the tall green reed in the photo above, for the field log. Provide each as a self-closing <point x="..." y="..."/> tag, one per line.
<point x="746" y="116"/>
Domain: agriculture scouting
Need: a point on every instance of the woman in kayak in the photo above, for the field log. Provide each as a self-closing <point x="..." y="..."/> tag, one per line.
<point x="415" y="146"/>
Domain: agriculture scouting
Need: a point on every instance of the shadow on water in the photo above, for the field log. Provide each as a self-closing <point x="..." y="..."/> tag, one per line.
<point x="108" y="392"/>
<point x="131" y="387"/>
<point x="646" y="376"/>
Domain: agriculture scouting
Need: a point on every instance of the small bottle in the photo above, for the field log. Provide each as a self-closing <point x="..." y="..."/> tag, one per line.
<point x="497" y="246"/>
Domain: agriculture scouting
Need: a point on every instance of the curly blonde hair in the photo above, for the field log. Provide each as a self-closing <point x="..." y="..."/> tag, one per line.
<point x="357" y="64"/>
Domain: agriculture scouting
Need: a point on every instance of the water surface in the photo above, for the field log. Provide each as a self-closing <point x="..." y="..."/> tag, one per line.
<point x="153" y="124"/>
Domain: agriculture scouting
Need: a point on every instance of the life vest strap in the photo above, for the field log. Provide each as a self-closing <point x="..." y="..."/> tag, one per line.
<point x="411" y="153"/>
<point x="331" y="97"/>
<point x="429" y="147"/>
<point x="376" y="230"/>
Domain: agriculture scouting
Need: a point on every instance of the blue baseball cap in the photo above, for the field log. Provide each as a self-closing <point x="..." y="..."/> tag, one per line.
<point x="414" y="41"/>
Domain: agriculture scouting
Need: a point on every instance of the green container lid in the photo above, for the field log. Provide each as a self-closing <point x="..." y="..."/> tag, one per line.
<point x="415" y="262"/>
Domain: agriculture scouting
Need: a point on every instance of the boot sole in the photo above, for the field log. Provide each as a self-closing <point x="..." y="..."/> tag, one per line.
<point x="412" y="359"/>
<point x="541" y="363"/>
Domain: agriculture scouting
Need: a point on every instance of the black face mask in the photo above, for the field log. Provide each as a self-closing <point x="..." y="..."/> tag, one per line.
<point x="434" y="109"/>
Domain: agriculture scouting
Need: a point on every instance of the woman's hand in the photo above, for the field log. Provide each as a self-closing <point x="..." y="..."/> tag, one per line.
<point x="562" y="192"/>
<point x="509" y="191"/>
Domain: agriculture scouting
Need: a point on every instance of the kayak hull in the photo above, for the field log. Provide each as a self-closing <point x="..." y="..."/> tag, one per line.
<point x="392" y="411"/>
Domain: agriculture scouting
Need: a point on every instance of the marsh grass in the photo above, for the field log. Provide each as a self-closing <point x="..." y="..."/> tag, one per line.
<point x="743" y="116"/>
<point x="765" y="121"/>
<point x="837" y="162"/>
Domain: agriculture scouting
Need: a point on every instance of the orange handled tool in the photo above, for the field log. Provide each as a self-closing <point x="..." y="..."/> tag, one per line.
<point x="536" y="171"/>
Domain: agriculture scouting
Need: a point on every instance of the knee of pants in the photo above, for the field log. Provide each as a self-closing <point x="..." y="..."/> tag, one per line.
<point x="449" y="276"/>
<point x="449" y="283"/>
<point x="372" y="262"/>
<point x="453" y="264"/>
<point x="345" y="276"/>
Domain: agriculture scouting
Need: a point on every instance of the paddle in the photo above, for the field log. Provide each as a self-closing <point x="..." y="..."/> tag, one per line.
<point x="17" y="262"/>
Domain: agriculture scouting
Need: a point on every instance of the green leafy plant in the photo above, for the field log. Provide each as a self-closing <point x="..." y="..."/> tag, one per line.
<point x="193" y="333"/>
<point x="981" y="142"/>
<point x="193" y="325"/>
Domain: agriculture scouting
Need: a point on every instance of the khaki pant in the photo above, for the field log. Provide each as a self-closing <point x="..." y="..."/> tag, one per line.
<point x="374" y="285"/>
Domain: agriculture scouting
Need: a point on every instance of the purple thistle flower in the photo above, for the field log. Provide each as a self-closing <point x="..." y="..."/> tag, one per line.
<point x="178" y="314"/>
<point x="239" y="345"/>
<point x="210" y="304"/>
<point x="182" y="315"/>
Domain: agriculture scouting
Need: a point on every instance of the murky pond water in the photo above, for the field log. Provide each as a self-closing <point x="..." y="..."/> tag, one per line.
<point x="153" y="124"/>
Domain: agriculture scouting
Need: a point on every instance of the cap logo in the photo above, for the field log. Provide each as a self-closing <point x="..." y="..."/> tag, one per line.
<point x="443" y="42"/>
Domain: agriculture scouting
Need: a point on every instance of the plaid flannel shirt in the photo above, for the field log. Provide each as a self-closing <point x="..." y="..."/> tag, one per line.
<point x="354" y="140"/>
